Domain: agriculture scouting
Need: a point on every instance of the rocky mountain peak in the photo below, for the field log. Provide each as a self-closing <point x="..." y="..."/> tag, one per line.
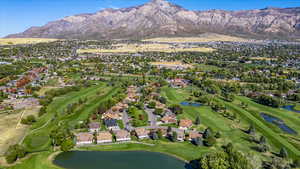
<point x="162" y="18"/>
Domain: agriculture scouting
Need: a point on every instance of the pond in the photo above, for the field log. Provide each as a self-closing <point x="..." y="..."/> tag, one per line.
<point x="117" y="160"/>
<point x="278" y="122"/>
<point x="290" y="108"/>
<point x="190" y="104"/>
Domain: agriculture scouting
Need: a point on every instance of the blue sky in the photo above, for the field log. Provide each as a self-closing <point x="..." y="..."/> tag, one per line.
<point x="18" y="15"/>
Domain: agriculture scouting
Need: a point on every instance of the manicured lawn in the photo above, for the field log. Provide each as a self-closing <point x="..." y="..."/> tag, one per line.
<point x="297" y="107"/>
<point x="36" y="161"/>
<point x="261" y="126"/>
<point x="39" y="139"/>
<point x="139" y="117"/>
<point x="208" y="68"/>
<point x="230" y="130"/>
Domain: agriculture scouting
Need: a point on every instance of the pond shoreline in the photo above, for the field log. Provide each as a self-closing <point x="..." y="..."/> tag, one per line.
<point x="53" y="156"/>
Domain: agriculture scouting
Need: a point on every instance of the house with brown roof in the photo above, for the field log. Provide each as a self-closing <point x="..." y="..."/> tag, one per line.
<point x="184" y="124"/>
<point x="169" y="119"/>
<point x="142" y="133"/>
<point x="84" y="138"/>
<point x="193" y="135"/>
<point x="94" y="126"/>
<point x="111" y="115"/>
<point x="104" y="137"/>
<point x="122" y="135"/>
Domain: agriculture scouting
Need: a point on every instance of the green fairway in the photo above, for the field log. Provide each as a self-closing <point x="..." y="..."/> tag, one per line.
<point x="297" y="107"/>
<point x="272" y="136"/>
<point x="230" y="130"/>
<point x="37" y="161"/>
<point x="38" y="139"/>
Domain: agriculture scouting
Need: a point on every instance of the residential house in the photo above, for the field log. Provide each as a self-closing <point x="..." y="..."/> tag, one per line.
<point x="94" y="126"/>
<point x="104" y="137"/>
<point x="122" y="135"/>
<point x="184" y="124"/>
<point x="193" y="135"/>
<point x="142" y="133"/>
<point x="111" y="115"/>
<point x="111" y="124"/>
<point x="169" y="119"/>
<point x="178" y="83"/>
<point x="84" y="138"/>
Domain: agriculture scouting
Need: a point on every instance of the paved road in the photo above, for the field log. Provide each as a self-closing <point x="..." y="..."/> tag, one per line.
<point x="151" y="117"/>
<point x="126" y="121"/>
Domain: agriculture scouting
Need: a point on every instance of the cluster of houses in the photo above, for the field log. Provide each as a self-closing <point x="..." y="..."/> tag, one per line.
<point x="16" y="88"/>
<point x="178" y="83"/>
<point x="102" y="137"/>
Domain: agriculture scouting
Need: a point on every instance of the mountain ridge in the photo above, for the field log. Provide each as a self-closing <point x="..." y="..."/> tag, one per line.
<point x="162" y="18"/>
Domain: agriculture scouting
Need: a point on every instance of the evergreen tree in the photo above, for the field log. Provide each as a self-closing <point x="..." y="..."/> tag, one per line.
<point x="197" y="122"/>
<point x="283" y="153"/>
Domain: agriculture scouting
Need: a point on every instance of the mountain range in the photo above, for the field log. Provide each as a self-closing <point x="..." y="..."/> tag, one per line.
<point x="161" y="18"/>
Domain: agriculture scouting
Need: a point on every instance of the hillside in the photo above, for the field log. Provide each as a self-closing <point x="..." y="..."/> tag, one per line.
<point x="161" y="18"/>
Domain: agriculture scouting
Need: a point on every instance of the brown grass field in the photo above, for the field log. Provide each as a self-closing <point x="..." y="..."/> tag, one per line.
<point x="262" y="58"/>
<point x="17" y="41"/>
<point x="11" y="130"/>
<point x="135" y="48"/>
<point x="201" y="38"/>
<point x="171" y="64"/>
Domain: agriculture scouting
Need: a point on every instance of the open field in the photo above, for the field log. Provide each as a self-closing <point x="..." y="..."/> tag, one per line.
<point x="17" y="41"/>
<point x="135" y="48"/>
<point x="171" y="64"/>
<point x="201" y="38"/>
<point x="263" y="58"/>
<point x="11" y="130"/>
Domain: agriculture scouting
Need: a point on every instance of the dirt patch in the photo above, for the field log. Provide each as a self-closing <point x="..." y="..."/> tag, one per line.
<point x="11" y="130"/>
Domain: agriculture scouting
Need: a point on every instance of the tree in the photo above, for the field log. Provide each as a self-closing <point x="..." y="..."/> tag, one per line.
<point x="218" y="135"/>
<point x="158" y="111"/>
<point x="198" y="141"/>
<point x="228" y="148"/>
<point x="197" y="121"/>
<point x="210" y="141"/>
<point x="67" y="145"/>
<point x="154" y="136"/>
<point x="169" y="129"/>
<point x="152" y="105"/>
<point x="28" y="120"/>
<point x="262" y="140"/>
<point x="283" y="153"/>
<point x="15" y="152"/>
<point x="159" y="134"/>
<point x="296" y="163"/>
<point x="207" y="133"/>
<point x="163" y="100"/>
<point x="263" y="148"/>
<point x="216" y="160"/>
<point x="251" y="130"/>
<point x="174" y="136"/>
<point x="177" y="109"/>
